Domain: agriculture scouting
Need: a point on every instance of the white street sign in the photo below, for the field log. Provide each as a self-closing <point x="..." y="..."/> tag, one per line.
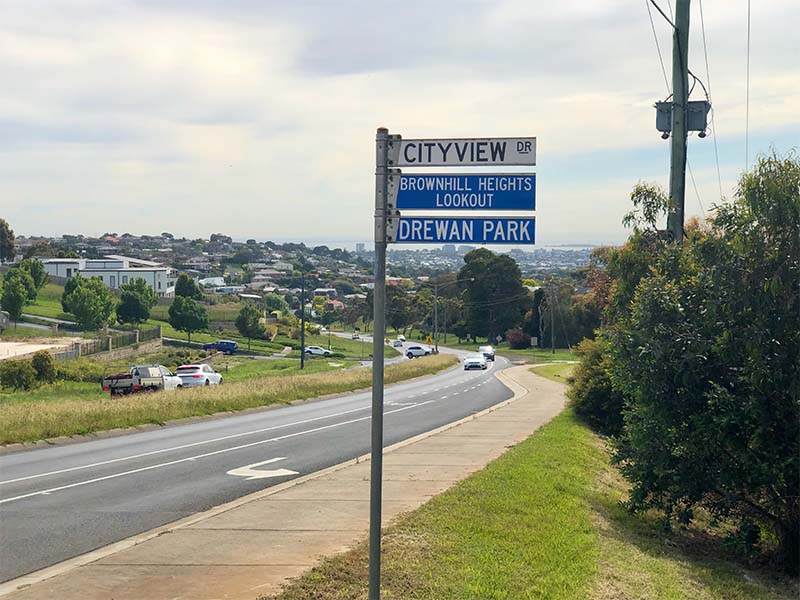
<point x="250" y="472"/>
<point x="470" y="152"/>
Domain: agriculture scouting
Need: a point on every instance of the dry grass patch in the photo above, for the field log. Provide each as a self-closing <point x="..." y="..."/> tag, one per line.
<point x="28" y="421"/>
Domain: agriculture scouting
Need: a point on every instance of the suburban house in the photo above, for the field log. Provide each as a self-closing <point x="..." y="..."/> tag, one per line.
<point x="326" y="292"/>
<point x="115" y="271"/>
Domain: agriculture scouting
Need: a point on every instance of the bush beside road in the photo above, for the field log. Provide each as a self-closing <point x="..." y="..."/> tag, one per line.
<point x="546" y="521"/>
<point x="53" y="416"/>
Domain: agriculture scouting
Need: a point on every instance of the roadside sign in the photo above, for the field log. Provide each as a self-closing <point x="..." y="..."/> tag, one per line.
<point x="469" y="152"/>
<point x="429" y="340"/>
<point x="452" y="191"/>
<point x="460" y="230"/>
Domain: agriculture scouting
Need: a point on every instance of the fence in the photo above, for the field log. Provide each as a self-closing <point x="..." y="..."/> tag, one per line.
<point x="107" y="343"/>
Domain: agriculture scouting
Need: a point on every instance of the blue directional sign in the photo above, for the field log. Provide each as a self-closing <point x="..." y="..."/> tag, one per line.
<point x="458" y="230"/>
<point x="450" y="191"/>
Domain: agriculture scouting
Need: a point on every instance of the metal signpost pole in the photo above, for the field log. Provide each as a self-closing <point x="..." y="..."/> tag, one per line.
<point x="378" y="334"/>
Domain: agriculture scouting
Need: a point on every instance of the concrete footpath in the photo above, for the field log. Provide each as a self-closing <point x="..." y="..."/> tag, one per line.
<point x="250" y="546"/>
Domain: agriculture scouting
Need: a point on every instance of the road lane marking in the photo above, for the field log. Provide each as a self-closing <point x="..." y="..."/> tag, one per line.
<point x="250" y="472"/>
<point x="205" y="455"/>
<point x="183" y="446"/>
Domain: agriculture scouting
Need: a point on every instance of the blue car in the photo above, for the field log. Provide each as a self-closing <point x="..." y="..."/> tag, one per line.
<point x="224" y="346"/>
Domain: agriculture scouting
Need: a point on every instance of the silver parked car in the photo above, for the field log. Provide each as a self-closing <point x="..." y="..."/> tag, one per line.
<point x="198" y="375"/>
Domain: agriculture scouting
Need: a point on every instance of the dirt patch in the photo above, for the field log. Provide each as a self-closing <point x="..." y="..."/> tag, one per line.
<point x="11" y="349"/>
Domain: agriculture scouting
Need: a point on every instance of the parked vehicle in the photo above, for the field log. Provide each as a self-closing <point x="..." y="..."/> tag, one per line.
<point x="397" y="344"/>
<point x="487" y="351"/>
<point x="474" y="361"/>
<point x="141" y="378"/>
<point x="318" y="351"/>
<point x="355" y="336"/>
<point x="415" y="351"/>
<point x="224" y="346"/>
<point x="198" y="375"/>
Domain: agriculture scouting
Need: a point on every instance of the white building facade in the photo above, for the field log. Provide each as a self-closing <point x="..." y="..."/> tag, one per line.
<point x="115" y="271"/>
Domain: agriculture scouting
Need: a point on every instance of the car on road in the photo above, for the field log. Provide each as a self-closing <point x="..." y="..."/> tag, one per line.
<point x="474" y="361"/>
<point x="355" y="336"/>
<point x="224" y="346"/>
<point x="198" y="375"/>
<point x="415" y="351"/>
<point x="402" y="338"/>
<point x="317" y="351"/>
<point x="397" y="344"/>
<point x="487" y="351"/>
<point x="141" y="378"/>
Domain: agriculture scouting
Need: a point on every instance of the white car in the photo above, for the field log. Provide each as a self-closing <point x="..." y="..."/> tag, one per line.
<point x="397" y="344"/>
<point x="198" y="375"/>
<point x="474" y="361"/>
<point x="487" y="351"/>
<point x="415" y="351"/>
<point x="318" y="351"/>
<point x="356" y="336"/>
<point x="402" y="338"/>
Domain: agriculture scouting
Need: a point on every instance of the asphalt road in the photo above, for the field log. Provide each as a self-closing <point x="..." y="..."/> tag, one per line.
<point x="60" y="502"/>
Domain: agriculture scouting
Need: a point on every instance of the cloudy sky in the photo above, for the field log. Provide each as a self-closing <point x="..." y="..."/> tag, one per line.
<point x="257" y="118"/>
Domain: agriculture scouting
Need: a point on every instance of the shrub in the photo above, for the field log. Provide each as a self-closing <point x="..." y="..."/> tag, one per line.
<point x="80" y="370"/>
<point x="593" y="398"/>
<point x="44" y="365"/>
<point x="518" y="339"/>
<point x="17" y="374"/>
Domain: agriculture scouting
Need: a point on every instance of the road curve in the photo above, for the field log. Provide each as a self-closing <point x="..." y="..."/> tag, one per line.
<point x="60" y="502"/>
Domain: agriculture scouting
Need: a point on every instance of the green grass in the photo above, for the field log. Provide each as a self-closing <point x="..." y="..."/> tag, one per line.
<point x="537" y="355"/>
<point x="21" y="331"/>
<point x="544" y="521"/>
<point x="65" y="414"/>
<point x="224" y="311"/>
<point x="554" y="372"/>
<point x="48" y="303"/>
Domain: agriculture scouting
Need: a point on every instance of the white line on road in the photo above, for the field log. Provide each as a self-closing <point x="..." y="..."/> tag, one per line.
<point x="205" y="455"/>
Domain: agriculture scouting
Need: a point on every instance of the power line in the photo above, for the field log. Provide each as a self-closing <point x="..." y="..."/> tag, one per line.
<point x="699" y="201"/>
<point x="708" y="78"/>
<point x="747" y="103"/>
<point x="658" y="48"/>
<point x="663" y="14"/>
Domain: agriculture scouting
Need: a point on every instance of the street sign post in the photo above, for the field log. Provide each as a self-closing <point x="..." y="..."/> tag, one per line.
<point x="473" y="192"/>
<point x="469" y="152"/>
<point x="461" y="230"/>
<point x="453" y="191"/>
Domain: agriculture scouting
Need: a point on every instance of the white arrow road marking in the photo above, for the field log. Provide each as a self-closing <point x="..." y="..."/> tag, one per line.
<point x="251" y="472"/>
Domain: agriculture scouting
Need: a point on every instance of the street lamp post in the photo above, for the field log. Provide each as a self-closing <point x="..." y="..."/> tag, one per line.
<point x="302" y="321"/>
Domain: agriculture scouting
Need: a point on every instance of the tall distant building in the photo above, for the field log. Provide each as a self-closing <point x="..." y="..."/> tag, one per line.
<point x="449" y="249"/>
<point x="465" y="249"/>
<point x="360" y="247"/>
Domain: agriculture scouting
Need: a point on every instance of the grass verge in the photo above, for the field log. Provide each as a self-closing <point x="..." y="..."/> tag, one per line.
<point x="38" y="419"/>
<point x="543" y="521"/>
<point x="559" y="372"/>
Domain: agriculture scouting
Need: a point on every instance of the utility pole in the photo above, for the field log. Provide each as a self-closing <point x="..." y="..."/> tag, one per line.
<point x="680" y="103"/>
<point x="378" y="335"/>
<point x="302" y="321"/>
<point x="436" y="317"/>
<point x="552" y="320"/>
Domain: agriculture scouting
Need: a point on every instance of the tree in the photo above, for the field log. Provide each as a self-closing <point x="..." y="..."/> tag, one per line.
<point x="185" y="286"/>
<point x="274" y="302"/>
<point x="703" y="341"/>
<point x="6" y="242"/>
<point x="136" y="300"/>
<point x="14" y="297"/>
<point x="249" y="324"/>
<point x="36" y="270"/>
<point x="24" y="277"/>
<point x="188" y="315"/>
<point x="92" y="304"/>
<point x="495" y="298"/>
<point x="70" y="286"/>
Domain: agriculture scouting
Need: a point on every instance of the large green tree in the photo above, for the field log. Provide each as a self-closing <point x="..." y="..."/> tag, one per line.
<point x="248" y="323"/>
<point x="36" y="270"/>
<point x="13" y="299"/>
<point x="495" y="298"/>
<point x="186" y="287"/>
<point x="92" y="304"/>
<point x="702" y="350"/>
<point x="136" y="300"/>
<point x="188" y="315"/>
<point x="6" y="241"/>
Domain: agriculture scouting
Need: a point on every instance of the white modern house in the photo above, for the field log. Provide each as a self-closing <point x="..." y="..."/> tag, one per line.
<point x="115" y="271"/>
